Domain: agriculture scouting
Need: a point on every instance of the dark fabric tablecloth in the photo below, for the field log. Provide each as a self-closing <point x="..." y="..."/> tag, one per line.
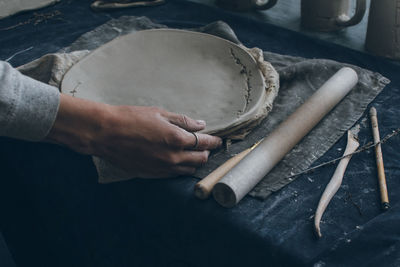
<point x="53" y="212"/>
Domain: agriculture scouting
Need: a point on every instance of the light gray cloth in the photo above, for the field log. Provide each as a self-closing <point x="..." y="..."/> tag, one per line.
<point x="299" y="78"/>
<point x="28" y="108"/>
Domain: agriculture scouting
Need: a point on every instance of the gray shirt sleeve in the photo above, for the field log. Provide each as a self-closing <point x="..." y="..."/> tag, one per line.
<point x="28" y="108"/>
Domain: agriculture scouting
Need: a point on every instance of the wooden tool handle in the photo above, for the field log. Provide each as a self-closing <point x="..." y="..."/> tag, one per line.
<point x="379" y="159"/>
<point x="203" y="188"/>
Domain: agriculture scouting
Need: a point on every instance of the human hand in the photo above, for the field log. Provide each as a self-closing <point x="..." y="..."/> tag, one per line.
<point x="145" y="140"/>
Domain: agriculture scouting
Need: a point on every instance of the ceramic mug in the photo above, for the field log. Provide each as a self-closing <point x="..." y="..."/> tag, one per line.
<point x="383" y="32"/>
<point x="330" y="15"/>
<point x="245" y="5"/>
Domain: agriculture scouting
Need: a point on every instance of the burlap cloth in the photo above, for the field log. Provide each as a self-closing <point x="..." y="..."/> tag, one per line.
<point x="299" y="78"/>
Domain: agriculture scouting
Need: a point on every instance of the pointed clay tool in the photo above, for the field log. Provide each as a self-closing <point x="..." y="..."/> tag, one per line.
<point x="336" y="180"/>
<point x="379" y="160"/>
<point x="202" y="189"/>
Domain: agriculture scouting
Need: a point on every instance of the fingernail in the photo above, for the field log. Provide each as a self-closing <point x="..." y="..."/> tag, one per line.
<point x="201" y="122"/>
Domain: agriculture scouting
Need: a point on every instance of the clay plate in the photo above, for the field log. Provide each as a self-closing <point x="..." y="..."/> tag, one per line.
<point x="11" y="7"/>
<point x="197" y="74"/>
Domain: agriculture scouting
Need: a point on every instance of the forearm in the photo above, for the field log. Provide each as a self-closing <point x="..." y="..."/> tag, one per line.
<point x="28" y="108"/>
<point x="78" y="124"/>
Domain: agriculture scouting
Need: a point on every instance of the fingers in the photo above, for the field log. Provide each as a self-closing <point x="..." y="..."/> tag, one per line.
<point x="185" y="162"/>
<point x="204" y="142"/>
<point x="190" y="160"/>
<point x="193" y="158"/>
<point x="182" y="139"/>
<point x="182" y="170"/>
<point x="186" y="138"/>
<point x="185" y="122"/>
<point x="195" y="141"/>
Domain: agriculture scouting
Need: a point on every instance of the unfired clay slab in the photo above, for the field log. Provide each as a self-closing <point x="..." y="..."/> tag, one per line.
<point x="11" y="7"/>
<point x="200" y="75"/>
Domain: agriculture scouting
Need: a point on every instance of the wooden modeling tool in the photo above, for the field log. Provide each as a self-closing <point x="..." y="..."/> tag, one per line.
<point x="203" y="189"/>
<point x="336" y="180"/>
<point x="379" y="160"/>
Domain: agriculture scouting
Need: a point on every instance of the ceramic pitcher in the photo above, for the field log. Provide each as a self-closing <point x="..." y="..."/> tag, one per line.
<point x="246" y="5"/>
<point x="330" y="15"/>
<point x="383" y="33"/>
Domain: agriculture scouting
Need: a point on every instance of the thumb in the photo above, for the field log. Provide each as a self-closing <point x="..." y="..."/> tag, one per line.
<point x="185" y="122"/>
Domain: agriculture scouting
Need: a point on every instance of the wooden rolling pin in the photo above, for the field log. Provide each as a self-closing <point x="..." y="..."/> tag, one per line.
<point x="260" y="161"/>
<point x="203" y="189"/>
